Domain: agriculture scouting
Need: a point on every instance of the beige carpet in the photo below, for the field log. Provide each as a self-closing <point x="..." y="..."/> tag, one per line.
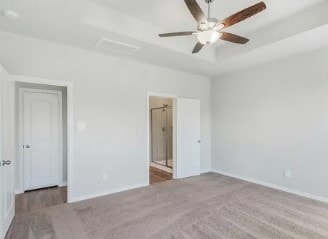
<point x="207" y="206"/>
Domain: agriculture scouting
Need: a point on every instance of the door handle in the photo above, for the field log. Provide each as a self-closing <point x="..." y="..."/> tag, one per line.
<point x="27" y="146"/>
<point x="6" y="162"/>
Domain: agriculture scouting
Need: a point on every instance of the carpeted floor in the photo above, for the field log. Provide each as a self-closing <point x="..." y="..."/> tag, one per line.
<point x="207" y="206"/>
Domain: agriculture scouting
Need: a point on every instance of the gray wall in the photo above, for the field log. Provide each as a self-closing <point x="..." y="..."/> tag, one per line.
<point x="274" y="117"/>
<point x="18" y="85"/>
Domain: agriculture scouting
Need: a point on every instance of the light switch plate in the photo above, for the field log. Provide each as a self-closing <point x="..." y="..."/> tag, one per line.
<point x="105" y="176"/>
<point x="287" y="173"/>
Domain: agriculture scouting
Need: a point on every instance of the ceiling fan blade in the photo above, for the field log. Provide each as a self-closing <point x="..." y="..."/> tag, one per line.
<point x="196" y="11"/>
<point x="197" y="48"/>
<point x="175" y="34"/>
<point x="244" y="14"/>
<point x="226" y="36"/>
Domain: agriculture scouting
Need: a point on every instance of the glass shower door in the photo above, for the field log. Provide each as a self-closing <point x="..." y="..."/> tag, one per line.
<point x="161" y="136"/>
<point x="169" y="137"/>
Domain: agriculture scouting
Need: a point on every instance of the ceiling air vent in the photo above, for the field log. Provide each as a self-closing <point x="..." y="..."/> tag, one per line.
<point x="110" y="45"/>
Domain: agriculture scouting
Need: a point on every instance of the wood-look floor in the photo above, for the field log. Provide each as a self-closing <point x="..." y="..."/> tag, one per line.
<point x="41" y="198"/>
<point x="48" y="197"/>
<point x="156" y="175"/>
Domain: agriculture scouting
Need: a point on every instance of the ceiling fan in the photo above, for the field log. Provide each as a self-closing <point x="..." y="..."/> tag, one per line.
<point x="209" y="29"/>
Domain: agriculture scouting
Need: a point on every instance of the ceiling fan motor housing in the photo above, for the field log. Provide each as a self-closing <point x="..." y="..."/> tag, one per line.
<point x="210" y="24"/>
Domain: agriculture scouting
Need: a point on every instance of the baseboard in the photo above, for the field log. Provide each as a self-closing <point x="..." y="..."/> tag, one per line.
<point x="19" y="191"/>
<point x="95" y="195"/>
<point x="206" y="171"/>
<point x="270" y="185"/>
<point x="62" y="184"/>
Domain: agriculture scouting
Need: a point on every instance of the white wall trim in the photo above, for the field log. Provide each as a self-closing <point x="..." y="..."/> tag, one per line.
<point x="206" y="171"/>
<point x="104" y="193"/>
<point x="19" y="191"/>
<point x="270" y="185"/>
<point x="70" y="123"/>
<point x="62" y="184"/>
<point x="37" y="80"/>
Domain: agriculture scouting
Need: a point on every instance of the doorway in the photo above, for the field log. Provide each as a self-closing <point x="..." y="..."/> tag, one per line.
<point x="42" y="146"/>
<point x="174" y="142"/>
<point x="161" y="139"/>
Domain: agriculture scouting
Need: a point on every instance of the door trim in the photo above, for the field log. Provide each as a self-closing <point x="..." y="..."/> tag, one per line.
<point x="21" y="133"/>
<point x="174" y="143"/>
<point x="70" y="124"/>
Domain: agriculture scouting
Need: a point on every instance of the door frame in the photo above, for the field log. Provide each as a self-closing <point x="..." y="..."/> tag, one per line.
<point x="174" y="123"/>
<point x="70" y="124"/>
<point x="20" y="157"/>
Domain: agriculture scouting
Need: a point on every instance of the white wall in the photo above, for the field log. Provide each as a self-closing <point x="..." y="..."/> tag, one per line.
<point x="110" y="95"/>
<point x="274" y="117"/>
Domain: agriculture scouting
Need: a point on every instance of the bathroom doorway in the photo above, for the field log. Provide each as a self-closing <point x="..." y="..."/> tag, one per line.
<point x="161" y="139"/>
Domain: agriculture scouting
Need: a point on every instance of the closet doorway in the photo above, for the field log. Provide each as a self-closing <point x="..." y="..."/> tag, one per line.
<point x="41" y="131"/>
<point x="161" y="138"/>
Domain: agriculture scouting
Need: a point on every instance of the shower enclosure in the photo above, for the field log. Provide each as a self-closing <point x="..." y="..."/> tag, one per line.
<point x="161" y="135"/>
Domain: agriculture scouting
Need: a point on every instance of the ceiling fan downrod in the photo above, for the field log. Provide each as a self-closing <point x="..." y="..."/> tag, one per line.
<point x="209" y="7"/>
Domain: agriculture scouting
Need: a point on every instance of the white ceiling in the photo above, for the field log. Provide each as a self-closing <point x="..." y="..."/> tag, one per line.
<point x="173" y="15"/>
<point x="138" y="22"/>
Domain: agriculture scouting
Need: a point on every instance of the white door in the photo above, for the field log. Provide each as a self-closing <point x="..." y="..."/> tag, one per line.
<point x="42" y="138"/>
<point x="7" y="150"/>
<point x="188" y="138"/>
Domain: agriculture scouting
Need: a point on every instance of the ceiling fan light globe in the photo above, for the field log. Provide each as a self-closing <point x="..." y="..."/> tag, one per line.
<point x="208" y="37"/>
